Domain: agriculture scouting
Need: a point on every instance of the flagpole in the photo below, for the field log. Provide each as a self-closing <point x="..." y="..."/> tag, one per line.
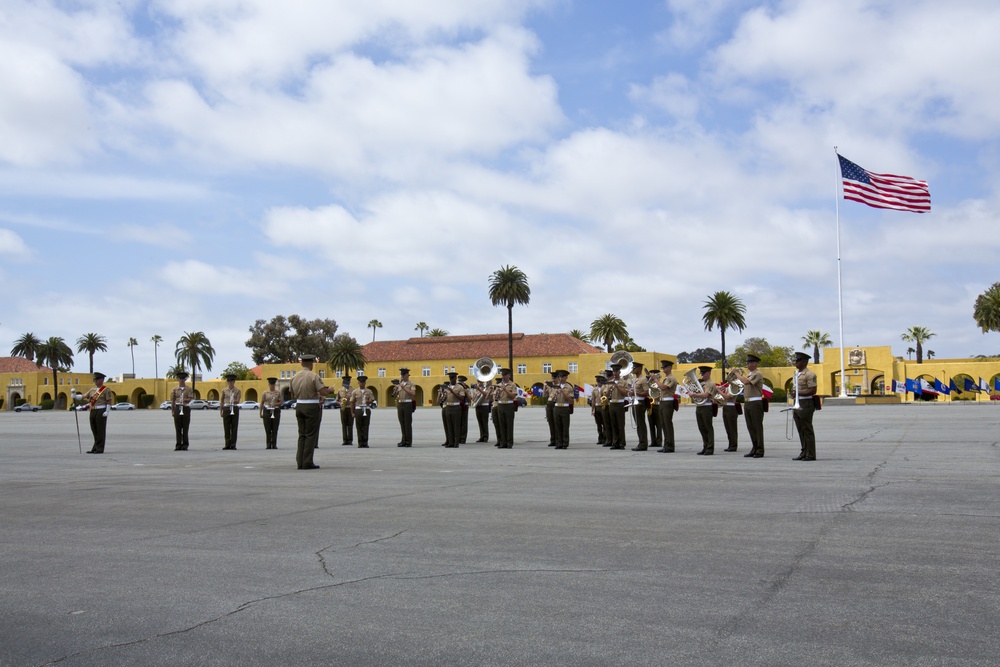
<point x="840" y="290"/>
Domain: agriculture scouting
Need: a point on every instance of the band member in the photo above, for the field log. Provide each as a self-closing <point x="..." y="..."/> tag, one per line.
<point x="548" y="389"/>
<point x="806" y="387"/>
<point x="454" y="393"/>
<point x="619" y="392"/>
<point x="463" y="431"/>
<point x="482" y="399"/>
<point x="640" y="406"/>
<point x="667" y="405"/>
<point x="180" y="396"/>
<point x="505" y="397"/>
<point x="707" y="400"/>
<point x="495" y="412"/>
<point x="753" y="407"/>
<point x="100" y="398"/>
<point x="229" y="409"/>
<point x="308" y="389"/>
<point x="361" y="405"/>
<point x="731" y="412"/>
<point x="606" y="390"/>
<point x="562" y="397"/>
<point x="405" y="393"/>
<point x="346" y="414"/>
<point x="597" y="409"/>
<point x="655" y="434"/>
<point x="270" y="412"/>
<point x="441" y="399"/>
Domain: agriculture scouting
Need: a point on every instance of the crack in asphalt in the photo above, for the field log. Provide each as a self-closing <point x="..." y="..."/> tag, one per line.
<point x="322" y="558"/>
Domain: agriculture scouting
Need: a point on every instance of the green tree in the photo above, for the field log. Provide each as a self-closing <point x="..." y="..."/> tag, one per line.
<point x="630" y="346"/>
<point x="58" y="356"/>
<point x="346" y="355"/>
<point x="156" y="340"/>
<point x="724" y="310"/>
<point x="193" y="351"/>
<point x="609" y="329"/>
<point x="172" y="372"/>
<point x="703" y="355"/>
<point x="770" y="357"/>
<point x="910" y="351"/>
<point x="509" y="286"/>
<point x="373" y="325"/>
<point x="579" y="335"/>
<point x="132" y="342"/>
<point x="918" y="336"/>
<point x="986" y="311"/>
<point x="437" y="333"/>
<point x="816" y="339"/>
<point x="421" y="327"/>
<point x="240" y="370"/>
<point x="281" y="340"/>
<point x="91" y="343"/>
<point x="26" y="346"/>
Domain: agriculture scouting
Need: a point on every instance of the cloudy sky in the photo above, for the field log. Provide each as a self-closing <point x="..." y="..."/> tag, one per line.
<point x="194" y="165"/>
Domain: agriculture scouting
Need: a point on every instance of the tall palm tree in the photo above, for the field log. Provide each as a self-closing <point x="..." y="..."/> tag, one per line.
<point x="91" y="343"/>
<point x="421" y="327"/>
<point x="57" y="355"/>
<point x="579" y="335"/>
<point x="132" y="342"/>
<point x="987" y="309"/>
<point x="816" y="339"/>
<point x="509" y="285"/>
<point x="910" y="351"/>
<point x="346" y="354"/>
<point x="373" y="325"/>
<point x="609" y="329"/>
<point x="194" y="350"/>
<point x="156" y="340"/>
<point x="918" y="336"/>
<point x="436" y="333"/>
<point x="724" y="310"/>
<point x="26" y="346"/>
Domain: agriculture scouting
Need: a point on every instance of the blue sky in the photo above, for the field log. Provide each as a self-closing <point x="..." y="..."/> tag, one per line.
<point x="175" y="166"/>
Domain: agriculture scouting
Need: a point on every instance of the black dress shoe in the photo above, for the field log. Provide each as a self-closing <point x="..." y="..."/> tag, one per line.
<point x="729" y="449"/>
<point x="346" y="444"/>
<point x="800" y="457"/>
<point x="758" y="456"/>
<point x="701" y="453"/>
<point x="639" y="449"/>
<point x="362" y="446"/>
<point x="750" y="455"/>
<point x="561" y="446"/>
<point x="401" y="445"/>
<point x="709" y="453"/>
<point x="312" y="467"/>
<point x="809" y="458"/>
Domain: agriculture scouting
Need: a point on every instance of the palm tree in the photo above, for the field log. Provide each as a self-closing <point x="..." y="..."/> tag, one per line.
<point x="909" y="351"/>
<point x="193" y="350"/>
<point x="91" y="343"/>
<point x="930" y="354"/>
<point x="346" y="354"/>
<point x="816" y="339"/>
<point x="987" y="309"/>
<point x="579" y="335"/>
<point x="436" y="333"/>
<point x="421" y="327"/>
<point x="609" y="329"/>
<point x="918" y="336"/>
<point x="509" y="285"/>
<point x="725" y="311"/>
<point x="156" y="340"/>
<point x="172" y="372"/>
<point x="373" y="325"/>
<point x="26" y="346"/>
<point x="132" y="342"/>
<point x="57" y="355"/>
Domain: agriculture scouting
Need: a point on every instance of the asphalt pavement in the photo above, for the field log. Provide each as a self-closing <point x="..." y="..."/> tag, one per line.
<point x="884" y="551"/>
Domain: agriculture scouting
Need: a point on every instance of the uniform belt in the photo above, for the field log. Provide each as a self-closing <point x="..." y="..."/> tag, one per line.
<point x="730" y="405"/>
<point x="622" y="400"/>
<point x="307" y="401"/>
<point x="663" y="400"/>
<point x="563" y="405"/>
<point x="408" y="401"/>
<point x="455" y="403"/>
<point x="758" y="398"/>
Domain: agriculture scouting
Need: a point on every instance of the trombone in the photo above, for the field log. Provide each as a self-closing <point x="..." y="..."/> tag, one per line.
<point x="789" y="422"/>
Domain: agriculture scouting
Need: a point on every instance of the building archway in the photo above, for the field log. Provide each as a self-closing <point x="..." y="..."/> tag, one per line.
<point x="213" y="395"/>
<point x="137" y="398"/>
<point x="877" y="385"/>
<point x="963" y="394"/>
<point x="251" y="395"/>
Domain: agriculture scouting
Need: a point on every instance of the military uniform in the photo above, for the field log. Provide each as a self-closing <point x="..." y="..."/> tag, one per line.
<point x="753" y="410"/>
<point x="270" y="413"/>
<point x="618" y="392"/>
<point x="705" y="414"/>
<point x="606" y="390"/>
<point x="454" y="395"/>
<point x="405" y="393"/>
<point x="505" y="398"/>
<point x="229" y="408"/>
<point x="361" y="405"/>
<point x="562" y="398"/>
<point x="640" y="405"/>
<point x="597" y="410"/>
<point x="803" y="416"/>
<point x="730" y="419"/>
<point x="655" y="434"/>
<point x="548" y="389"/>
<point x="308" y="389"/>
<point x="667" y="406"/>
<point x="346" y="414"/>
<point x="463" y="430"/>
<point x="482" y="399"/>
<point x="100" y="398"/>
<point x="180" y="396"/>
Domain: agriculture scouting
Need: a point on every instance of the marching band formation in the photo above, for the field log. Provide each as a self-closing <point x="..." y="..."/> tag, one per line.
<point x="627" y="393"/>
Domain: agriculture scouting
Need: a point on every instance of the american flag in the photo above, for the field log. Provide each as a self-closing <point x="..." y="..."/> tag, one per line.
<point x="901" y="193"/>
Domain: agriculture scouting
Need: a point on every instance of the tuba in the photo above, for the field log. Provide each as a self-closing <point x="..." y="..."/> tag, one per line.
<point x="623" y="359"/>
<point x="486" y="369"/>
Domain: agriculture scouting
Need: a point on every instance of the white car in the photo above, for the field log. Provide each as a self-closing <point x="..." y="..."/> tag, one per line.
<point x="24" y="407"/>
<point x="165" y="405"/>
<point x="249" y="405"/>
<point x="123" y="406"/>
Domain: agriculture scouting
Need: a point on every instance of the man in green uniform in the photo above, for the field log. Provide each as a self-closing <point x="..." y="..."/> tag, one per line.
<point x="270" y="413"/>
<point x="707" y="401"/>
<point x="229" y="409"/>
<point x="308" y="390"/>
<point x="454" y="394"/>
<point x="100" y="398"/>
<point x="562" y="397"/>
<point x="806" y="392"/>
<point x="346" y="414"/>
<point x="361" y="405"/>
<point x="180" y="396"/>
<point x="405" y="393"/>
<point x="753" y="408"/>
<point x="667" y="405"/>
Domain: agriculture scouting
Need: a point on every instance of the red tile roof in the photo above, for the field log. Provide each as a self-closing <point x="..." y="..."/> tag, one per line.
<point x="474" y="347"/>
<point x="20" y="365"/>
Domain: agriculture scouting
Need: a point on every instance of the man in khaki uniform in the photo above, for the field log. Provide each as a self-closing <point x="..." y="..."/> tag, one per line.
<point x="606" y="390"/>
<point x="454" y="394"/>
<point x="807" y="406"/>
<point x="100" y="398"/>
<point x="482" y="400"/>
<point x="308" y="390"/>
<point x="405" y="393"/>
<point x="707" y="401"/>
<point x="346" y="413"/>
<point x="562" y="397"/>
<point x="640" y="405"/>
<point x="619" y="392"/>
<point x="653" y="407"/>
<point x="597" y="410"/>
<point x="548" y="389"/>
<point x="505" y="398"/>
<point x="667" y="405"/>
<point x="229" y="409"/>
<point x="270" y="412"/>
<point x="753" y="406"/>
<point x="180" y="397"/>
<point x="361" y="405"/>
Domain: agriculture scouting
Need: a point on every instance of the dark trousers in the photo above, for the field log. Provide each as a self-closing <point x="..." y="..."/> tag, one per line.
<point x="665" y="411"/>
<point x="230" y="426"/>
<point x="560" y="417"/>
<point x="599" y="421"/>
<point x="182" y="424"/>
<point x="655" y="433"/>
<point x="308" y="418"/>
<point x="404" y="413"/>
<point x="617" y="412"/>
<point x="495" y="416"/>
<point x="347" y="426"/>
<point x="463" y="431"/>
<point x="730" y="419"/>
<point x="271" y="419"/>
<point x="753" y="413"/>
<point x="362" y="419"/>
<point x="483" y="420"/>
<point x="605" y="414"/>
<point x="505" y="421"/>
<point x="804" y="425"/>
<point x="639" y="414"/>
<point x="452" y="425"/>
<point x="703" y="414"/>
<point x="550" y="420"/>
<point x="99" y="427"/>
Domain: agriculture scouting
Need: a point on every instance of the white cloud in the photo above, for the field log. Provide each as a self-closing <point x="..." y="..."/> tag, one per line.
<point x="12" y="245"/>
<point x="199" y="277"/>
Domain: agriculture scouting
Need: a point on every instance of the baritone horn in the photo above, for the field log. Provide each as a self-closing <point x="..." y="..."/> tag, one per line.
<point x="486" y="369"/>
<point x="735" y="384"/>
<point x="693" y="385"/>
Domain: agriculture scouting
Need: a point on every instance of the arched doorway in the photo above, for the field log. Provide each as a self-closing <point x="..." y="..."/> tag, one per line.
<point x="251" y="395"/>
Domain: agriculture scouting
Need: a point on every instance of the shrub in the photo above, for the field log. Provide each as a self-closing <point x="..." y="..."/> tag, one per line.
<point x="47" y="404"/>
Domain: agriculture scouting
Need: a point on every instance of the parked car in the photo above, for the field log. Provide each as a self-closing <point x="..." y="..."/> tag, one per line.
<point x="123" y="406"/>
<point x="288" y="405"/>
<point x="212" y="405"/>
<point x="24" y="407"/>
<point x="249" y="405"/>
<point x="198" y="404"/>
<point x="165" y="405"/>
<point x="331" y="404"/>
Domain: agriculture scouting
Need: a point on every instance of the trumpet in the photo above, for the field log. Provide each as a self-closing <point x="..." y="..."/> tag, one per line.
<point x="789" y="424"/>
